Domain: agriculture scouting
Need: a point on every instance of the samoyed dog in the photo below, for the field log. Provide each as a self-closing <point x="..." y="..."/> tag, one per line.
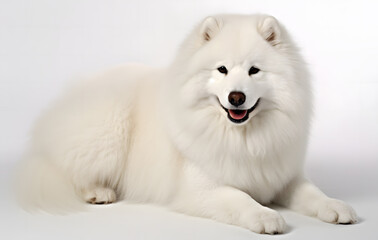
<point x="218" y="134"/>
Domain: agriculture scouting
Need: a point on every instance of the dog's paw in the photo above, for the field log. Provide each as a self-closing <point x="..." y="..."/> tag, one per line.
<point x="336" y="211"/>
<point x="100" y="196"/>
<point x="265" y="220"/>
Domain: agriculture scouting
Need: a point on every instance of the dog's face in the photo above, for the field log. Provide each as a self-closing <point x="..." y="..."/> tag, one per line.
<point x="239" y="67"/>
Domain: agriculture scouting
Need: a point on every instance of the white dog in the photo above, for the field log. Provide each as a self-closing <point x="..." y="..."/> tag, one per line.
<point x="218" y="134"/>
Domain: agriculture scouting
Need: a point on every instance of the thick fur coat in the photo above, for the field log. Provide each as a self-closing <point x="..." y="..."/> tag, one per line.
<point x="217" y="134"/>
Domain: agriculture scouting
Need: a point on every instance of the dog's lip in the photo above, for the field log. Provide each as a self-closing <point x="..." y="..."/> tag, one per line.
<point x="246" y="114"/>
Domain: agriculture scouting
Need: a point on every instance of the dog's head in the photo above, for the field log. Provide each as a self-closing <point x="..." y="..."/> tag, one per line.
<point x="240" y="67"/>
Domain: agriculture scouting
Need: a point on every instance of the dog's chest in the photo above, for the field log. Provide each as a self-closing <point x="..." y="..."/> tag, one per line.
<point x="262" y="178"/>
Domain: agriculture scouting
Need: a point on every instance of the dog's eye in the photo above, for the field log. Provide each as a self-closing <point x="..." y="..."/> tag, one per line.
<point x="253" y="70"/>
<point x="223" y="69"/>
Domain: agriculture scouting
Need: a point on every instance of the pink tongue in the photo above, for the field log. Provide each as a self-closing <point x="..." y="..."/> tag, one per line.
<point x="239" y="114"/>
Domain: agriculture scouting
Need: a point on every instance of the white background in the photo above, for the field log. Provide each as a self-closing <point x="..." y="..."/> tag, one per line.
<point x="44" y="44"/>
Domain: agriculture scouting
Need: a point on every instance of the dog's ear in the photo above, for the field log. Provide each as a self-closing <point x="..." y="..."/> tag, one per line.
<point x="270" y="30"/>
<point x="209" y="28"/>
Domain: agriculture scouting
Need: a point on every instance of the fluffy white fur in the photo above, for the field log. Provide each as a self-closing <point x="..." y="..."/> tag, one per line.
<point x="162" y="136"/>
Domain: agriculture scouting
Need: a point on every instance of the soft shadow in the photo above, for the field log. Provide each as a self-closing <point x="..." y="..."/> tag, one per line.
<point x="346" y="181"/>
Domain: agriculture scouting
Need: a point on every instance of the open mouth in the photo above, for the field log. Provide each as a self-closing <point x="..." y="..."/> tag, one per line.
<point x="240" y="115"/>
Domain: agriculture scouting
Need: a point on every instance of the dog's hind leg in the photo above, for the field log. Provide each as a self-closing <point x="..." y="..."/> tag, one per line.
<point x="99" y="195"/>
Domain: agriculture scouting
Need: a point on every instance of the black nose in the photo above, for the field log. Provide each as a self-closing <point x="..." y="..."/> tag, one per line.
<point x="236" y="98"/>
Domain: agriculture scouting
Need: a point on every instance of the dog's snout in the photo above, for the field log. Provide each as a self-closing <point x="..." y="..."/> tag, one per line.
<point x="236" y="98"/>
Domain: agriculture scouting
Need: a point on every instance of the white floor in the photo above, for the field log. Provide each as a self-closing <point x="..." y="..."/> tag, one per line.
<point x="128" y="221"/>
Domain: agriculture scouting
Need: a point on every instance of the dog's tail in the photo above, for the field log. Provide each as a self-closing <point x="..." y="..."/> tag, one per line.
<point x="42" y="186"/>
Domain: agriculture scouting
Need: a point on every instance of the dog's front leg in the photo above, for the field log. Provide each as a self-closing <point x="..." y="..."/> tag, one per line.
<point x="302" y="196"/>
<point x="231" y="206"/>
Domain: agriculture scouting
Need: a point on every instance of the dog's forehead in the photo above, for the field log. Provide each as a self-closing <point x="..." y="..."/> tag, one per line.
<point x="240" y="41"/>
